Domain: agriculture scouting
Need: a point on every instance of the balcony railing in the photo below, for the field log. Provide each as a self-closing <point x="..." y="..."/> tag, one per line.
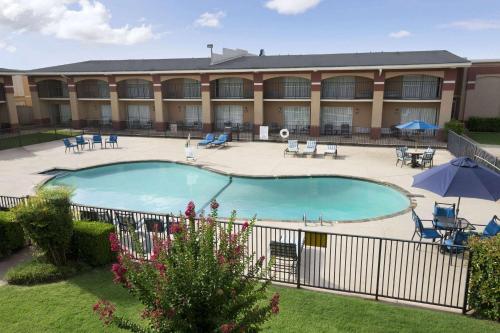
<point x="412" y="89"/>
<point x="2" y="93"/>
<point x="222" y="90"/>
<point x="52" y="89"/>
<point x="181" y="90"/>
<point x="92" y="90"/>
<point x="135" y="91"/>
<point x="347" y="90"/>
<point x="287" y="90"/>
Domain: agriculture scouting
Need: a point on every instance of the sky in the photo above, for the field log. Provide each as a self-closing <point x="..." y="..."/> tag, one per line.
<point x="39" y="33"/>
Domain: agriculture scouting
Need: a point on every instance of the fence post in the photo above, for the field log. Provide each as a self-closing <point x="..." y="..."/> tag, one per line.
<point x="299" y="257"/>
<point x="467" y="277"/>
<point x="378" y="266"/>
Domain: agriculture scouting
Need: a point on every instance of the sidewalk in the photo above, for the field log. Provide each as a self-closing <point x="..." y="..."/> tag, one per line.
<point x="12" y="260"/>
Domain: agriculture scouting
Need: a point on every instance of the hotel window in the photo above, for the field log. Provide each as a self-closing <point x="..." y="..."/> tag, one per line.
<point x="340" y="87"/>
<point x="429" y="115"/>
<point x="294" y="116"/>
<point x="228" y="115"/>
<point x="420" y="87"/>
<point x="230" y="88"/>
<point x="336" y="116"/>
<point x="191" y="88"/>
<point x="296" y="87"/>
<point x="106" y="114"/>
<point x="139" y="114"/>
<point x="193" y="115"/>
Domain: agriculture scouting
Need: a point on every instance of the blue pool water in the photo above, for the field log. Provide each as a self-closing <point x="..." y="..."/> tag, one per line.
<point x="167" y="187"/>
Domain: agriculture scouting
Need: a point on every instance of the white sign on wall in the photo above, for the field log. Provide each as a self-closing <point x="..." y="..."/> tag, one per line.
<point x="264" y="133"/>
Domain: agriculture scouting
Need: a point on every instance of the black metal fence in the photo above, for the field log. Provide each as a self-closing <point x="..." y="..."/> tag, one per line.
<point x="459" y="145"/>
<point x="404" y="270"/>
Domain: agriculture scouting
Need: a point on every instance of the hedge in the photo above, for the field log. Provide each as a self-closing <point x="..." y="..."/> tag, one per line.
<point x="34" y="272"/>
<point x="90" y="242"/>
<point x="11" y="234"/>
<point x="477" y="124"/>
<point x="484" y="283"/>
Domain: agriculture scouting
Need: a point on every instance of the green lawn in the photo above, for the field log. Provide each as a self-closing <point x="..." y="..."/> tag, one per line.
<point x="489" y="138"/>
<point x="67" y="307"/>
<point x="29" y="139"/>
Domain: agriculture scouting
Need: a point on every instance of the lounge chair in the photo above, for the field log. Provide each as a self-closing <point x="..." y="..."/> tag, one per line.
<point x="68" y="145"/>
<point x="292" y="148"/>
<point x="81" y="142"/>
<point x="421" y="231"/>
<point x="220" y="141"/>
<point x="209" y="138"/>
<point x="402" y="157"/>
<point x="310" y="148"/>
<point x="113" y="140"/>
<point x="286" y="252"/>
<point x="96" y="138"/>
<point x="331" y="150"/>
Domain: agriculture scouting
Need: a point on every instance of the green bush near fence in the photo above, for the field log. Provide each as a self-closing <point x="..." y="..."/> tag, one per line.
<point x="90" y="242"/>
<point x="38" y="271"/>
<point x="11" y="234"/>
<point x="455" y="126"/>
<point x="484" y="283"/>
<point x="477" y="124"/>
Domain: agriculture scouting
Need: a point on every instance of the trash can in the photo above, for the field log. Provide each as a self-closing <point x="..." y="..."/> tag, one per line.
<point x="229" y="132"/>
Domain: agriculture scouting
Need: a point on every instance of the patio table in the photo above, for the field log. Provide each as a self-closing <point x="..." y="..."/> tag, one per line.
<point x="415" y="155"/>
<point x="451" y="224"/>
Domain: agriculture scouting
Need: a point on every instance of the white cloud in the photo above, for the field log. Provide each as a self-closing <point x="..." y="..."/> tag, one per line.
<point x="7" y="47"/>
<point x="474" y="24"/>
<point x="400" y="34"/>
<point x="210" y="20"/>
<point x="291" y="7"/>
<point x="81" y="20"/>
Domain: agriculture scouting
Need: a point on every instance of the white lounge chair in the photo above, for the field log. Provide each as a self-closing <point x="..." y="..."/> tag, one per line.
<point x="310" y="148"/>
<point x="331" y="150"/>
<point x="292" y="148"/>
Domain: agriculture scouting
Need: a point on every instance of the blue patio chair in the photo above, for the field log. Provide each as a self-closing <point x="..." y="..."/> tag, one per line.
<point x="68" y="145"/>
<point x="443" y="213"/>
<point x="96" y="138"/>
<point x="220" y="141"/>
<point x="81" y="142"/>
<point x="113" y="140"/>
<point x="209" y="138"/>
<point x="492" y="228"/>
<point x="292" y="148"/>
<point x="459" y="238"/>
<point x="421" y="231"/>
<point x="310" y="148"/>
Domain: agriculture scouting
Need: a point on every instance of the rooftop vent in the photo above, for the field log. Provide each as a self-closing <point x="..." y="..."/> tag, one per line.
<point x="262" y="53"/>
<point x="228" y="54"/>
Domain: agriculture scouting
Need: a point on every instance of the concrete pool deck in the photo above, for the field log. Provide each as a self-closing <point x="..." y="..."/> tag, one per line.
<point x="20" y="168"/>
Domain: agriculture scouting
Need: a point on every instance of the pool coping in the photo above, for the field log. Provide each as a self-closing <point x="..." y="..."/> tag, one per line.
<point x="409" y="195"/>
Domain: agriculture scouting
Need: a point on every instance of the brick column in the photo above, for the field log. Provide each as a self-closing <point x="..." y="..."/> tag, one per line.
<point x="315" y="103"/>
<point x="76" y="119"/>
<point x="206" y="109"/>
<point x="116" y="120"/>
<point x="11" y="102"/>
<point x="160" y="124"/>
<point x="35" y="100"/>
<point x="377" y="105"/>
<point x="447" y="94"/>
<point x="258" y="102"/>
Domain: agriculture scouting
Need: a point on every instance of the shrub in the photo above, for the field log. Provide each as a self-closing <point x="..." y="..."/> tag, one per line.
<point x="90" y="242"/>
<point x="11" y="234"/>
<point x="477" y="124"/>
<point x="484" y="283"/>
<point x="33" y="272"/>
<point x="46" y="220"/>
<point x="202" y="280"/>
<point x="455" y="126"/>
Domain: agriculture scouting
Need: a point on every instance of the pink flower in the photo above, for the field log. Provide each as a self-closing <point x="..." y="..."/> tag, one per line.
<point x="245" y="226"/>
<point x="214" y="205"/>
<point x="119" y="272"/>
<point x="105" y="310"/>
<point x="275" y="301"/>
<point x="190" y="210"/>
<point x="260" y="261"/>
<point x="160" y="268"/>
<point x="175" y="228"/>
<point x="114" y="242"/>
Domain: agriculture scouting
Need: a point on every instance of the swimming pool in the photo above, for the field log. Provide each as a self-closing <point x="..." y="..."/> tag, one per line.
<point x="165" y="187"/>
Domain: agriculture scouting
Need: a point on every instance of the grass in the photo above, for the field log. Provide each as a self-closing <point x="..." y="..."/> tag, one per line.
<point x="67" y="307"/>
<point x="33" y="138"/>
<point x="489" y="138"/>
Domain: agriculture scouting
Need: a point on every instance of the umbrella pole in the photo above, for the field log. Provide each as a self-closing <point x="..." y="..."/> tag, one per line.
<point x="458" y="207"/>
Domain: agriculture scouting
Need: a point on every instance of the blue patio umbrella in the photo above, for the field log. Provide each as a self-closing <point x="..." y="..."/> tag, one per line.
<point x="418" y="125"/>
<point x="461" y="177"/>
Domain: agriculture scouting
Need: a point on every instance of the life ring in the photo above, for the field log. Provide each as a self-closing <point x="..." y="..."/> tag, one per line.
<point x="284" y="133"/>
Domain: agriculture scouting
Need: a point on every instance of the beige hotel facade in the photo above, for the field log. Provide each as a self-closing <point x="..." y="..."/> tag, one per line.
<point x="317" y="94"/>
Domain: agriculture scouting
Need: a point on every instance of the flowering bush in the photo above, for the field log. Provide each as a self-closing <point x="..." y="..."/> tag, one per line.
<point x="201" y="279"/>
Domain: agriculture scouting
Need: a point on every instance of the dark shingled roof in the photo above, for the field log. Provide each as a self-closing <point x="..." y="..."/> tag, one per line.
<point x="264" y="62"/>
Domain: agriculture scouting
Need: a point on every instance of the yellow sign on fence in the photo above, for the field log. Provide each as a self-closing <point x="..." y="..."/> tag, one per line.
<point x="315" y="239"/>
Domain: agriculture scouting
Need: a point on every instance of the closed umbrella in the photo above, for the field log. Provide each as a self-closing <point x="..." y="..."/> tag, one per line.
<point x="418" y="125"/>
<point x="461" y="177"/>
